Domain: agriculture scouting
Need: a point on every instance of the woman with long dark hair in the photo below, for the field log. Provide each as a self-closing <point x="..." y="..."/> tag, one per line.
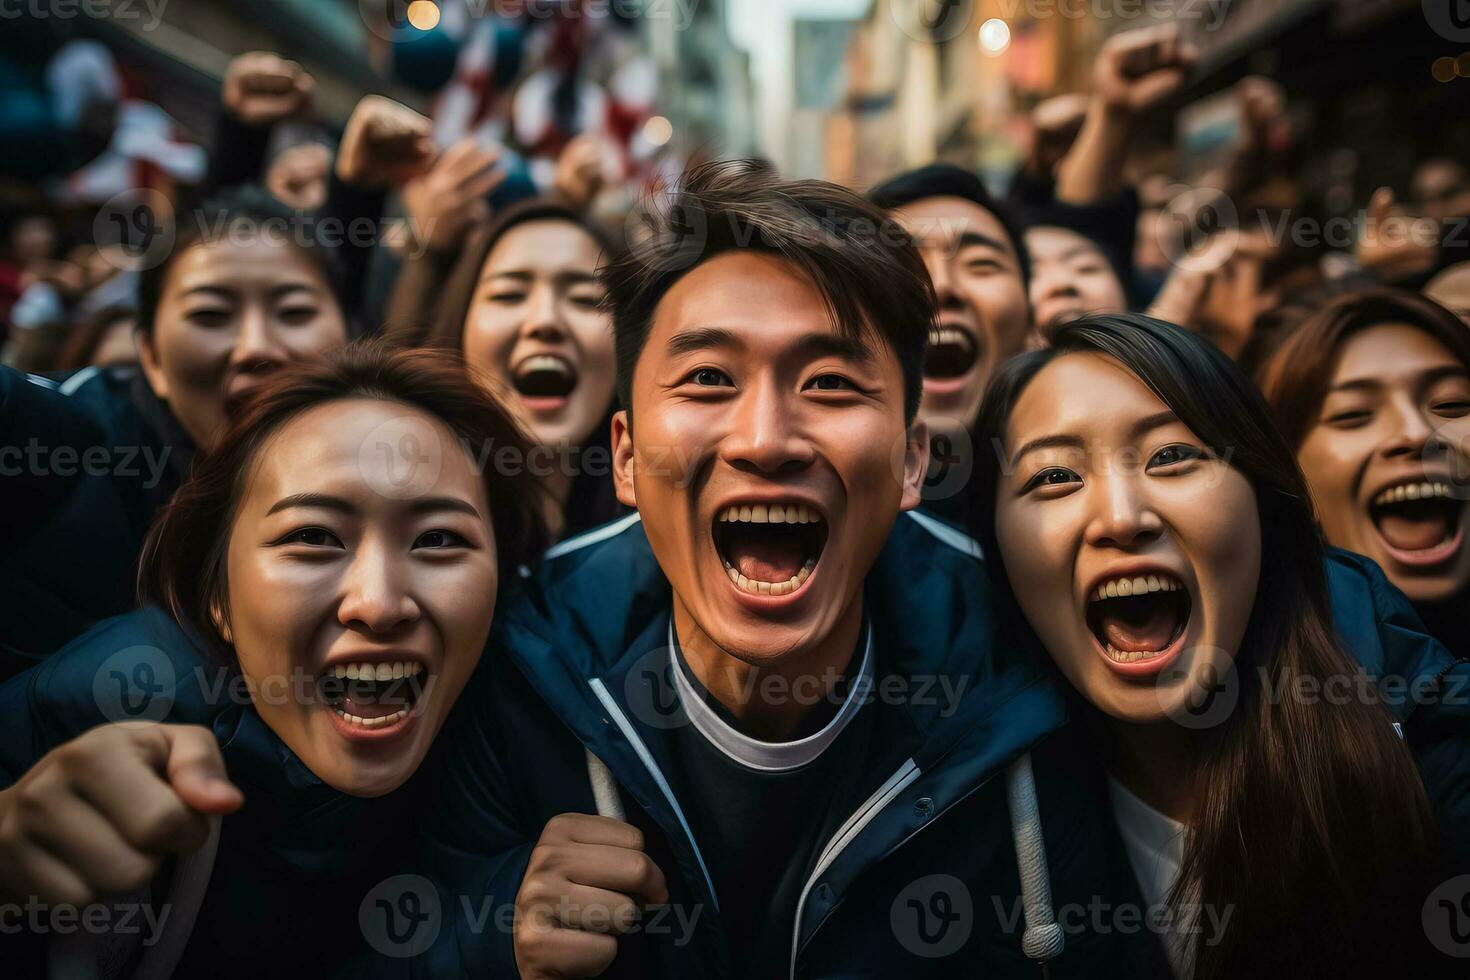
<point x="525" y="307"/>
<point x="1158" y="541"/>
<point x="1373" y="394"/>
<point x="320" y="592"/>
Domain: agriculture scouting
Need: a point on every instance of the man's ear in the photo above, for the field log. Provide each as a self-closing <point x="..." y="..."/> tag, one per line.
<point x="622" y="459"/>
<point x="915" y="464"/>
<point x="152" y="369"/>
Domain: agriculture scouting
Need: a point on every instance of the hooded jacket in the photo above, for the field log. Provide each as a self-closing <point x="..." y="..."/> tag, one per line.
<point x="919" y="874"/>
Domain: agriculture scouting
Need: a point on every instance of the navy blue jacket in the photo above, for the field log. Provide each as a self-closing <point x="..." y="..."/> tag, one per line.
<point x="86" y="460"/>
<point x="575" y="666"/>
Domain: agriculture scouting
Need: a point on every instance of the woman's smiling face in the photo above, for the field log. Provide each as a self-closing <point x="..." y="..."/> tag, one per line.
<point x="359" y="604"/>
<point x="1386" y="458"/>
<point x="1133" y="550"/>
<point x="536" y="325"/>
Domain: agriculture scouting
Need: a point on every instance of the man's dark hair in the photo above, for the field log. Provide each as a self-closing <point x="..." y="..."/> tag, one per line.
<point x="947" y="180"/>
<point x="864" y="264"/>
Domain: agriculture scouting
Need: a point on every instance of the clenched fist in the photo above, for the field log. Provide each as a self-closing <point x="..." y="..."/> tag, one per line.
<point x="1136" y="70"/>
<point x="587" y="882"/>
<point x="385" y="144"/>
<point x="98" y="815"/>
<point x="261" y="89"/>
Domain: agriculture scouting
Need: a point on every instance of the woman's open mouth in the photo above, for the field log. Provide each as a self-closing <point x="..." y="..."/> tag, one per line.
<point x="770" y="549"/>
<point x="545" y="382"/>
<point x="1139" y="620"/>
<point x="1420" y="522"/>
<point x="372" y="697"/>
<point x="952" y="354"/>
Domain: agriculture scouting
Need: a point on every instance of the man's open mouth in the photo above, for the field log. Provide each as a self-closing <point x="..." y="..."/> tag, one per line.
<point x="373" y="694"/>
<point x="770" y="549"/>
<point x="952" y="352"/>
<point x="545" y="378"/>
<point x="1139" y="617"/>
<point x="1419" y="521"/>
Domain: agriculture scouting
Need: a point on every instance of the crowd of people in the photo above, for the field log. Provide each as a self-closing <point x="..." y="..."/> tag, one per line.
<point x="786" y="580"/>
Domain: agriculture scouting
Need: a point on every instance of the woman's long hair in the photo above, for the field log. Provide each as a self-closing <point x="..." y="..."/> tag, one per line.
<point x="182" y="567"/>
<point x="1302" y="809"/>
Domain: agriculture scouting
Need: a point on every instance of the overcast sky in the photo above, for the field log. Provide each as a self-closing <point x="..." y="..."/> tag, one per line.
<point x="763" y="27"/>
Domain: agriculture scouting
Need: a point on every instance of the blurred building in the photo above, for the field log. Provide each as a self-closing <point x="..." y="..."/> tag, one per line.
<point x="951" y="80"/>
<point x="705" y="86"/>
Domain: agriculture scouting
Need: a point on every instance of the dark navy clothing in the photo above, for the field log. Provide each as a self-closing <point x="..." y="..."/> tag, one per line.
<point x="86" y="461"/>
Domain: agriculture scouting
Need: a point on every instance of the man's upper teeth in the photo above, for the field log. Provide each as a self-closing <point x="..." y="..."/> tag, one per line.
<point x="1427" y="490"/>
<point x="771" y="514"/>
<point x="1136" y="585"/>
<point x="545" y="362"/>
<point x="386" y="670"/>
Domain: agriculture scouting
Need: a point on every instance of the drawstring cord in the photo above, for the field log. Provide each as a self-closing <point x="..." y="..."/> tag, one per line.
<point x="604" y="789"/>
<point x="1043" y="938"/>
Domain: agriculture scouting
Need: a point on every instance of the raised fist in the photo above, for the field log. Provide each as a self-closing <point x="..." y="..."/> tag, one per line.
<point x="261" y="89"/>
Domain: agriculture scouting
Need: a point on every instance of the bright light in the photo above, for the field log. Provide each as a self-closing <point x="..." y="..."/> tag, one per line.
<point x="658" y="131"/>
<point x="995" y="36"/>
<point x="423" y="14"/>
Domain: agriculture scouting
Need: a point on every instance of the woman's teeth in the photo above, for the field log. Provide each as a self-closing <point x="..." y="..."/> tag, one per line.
<point x="1130" y="656"/>
<point x="1137" y="585"/>
<point x="384" y="671"/>
<point x="770" y="588"/>
<point x="1413" y="491"/>
<point x="382" y="722"/>
<point x="771" y="514"/>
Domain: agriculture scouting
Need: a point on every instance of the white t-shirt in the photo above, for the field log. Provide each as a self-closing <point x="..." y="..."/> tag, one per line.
<point x="1155" y="846"/>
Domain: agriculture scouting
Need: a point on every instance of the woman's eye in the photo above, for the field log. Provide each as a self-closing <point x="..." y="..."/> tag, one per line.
<point x="312" y="537"/>
<point x="209" y="319"/>
<point x="1169" y="455"/>
<point x="586" y="301"/>
<point x="1350" y="418"/>
<point x="711" y="378"/>
<point x="1052" y="476"/>
<point x="439" y="539"/>
<point x="1452" y="408"/>
<point x="298" y="315"/>
<point x="831" y="382"/>
<point x="507" y="297"/>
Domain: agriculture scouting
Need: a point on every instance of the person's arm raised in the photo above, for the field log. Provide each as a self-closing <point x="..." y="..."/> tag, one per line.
<point x="1135" y="72"/>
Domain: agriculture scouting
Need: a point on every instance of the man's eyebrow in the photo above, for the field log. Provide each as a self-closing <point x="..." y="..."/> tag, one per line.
<point x="703" y="338"/>
<point x="816" y="345"/>
<point x="322" y="500"/>
<point x="972" y="238"/>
